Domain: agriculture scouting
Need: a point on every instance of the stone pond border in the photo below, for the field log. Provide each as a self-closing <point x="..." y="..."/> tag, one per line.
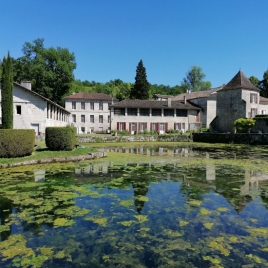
<point x="57" y="160"/>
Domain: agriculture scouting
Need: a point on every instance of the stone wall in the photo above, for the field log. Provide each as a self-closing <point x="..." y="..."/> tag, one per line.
<point x="238" y="138"/>
<point x="132" y="138"/>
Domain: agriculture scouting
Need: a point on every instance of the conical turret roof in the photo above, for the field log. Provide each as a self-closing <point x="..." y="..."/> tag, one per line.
<point x="239" y="81"/>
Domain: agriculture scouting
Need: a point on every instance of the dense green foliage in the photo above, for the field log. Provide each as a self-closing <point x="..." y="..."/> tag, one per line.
<point x="254" y="80"/>
<point x="263" y="85"/>
<point x="141" y="87"/>
<point x="49" y="69"/>
<point x="16" y="142"/>
<point x="7" y="93"/>
<point x="243" y="125"/>
<point x="121" y="90"/>
<point x="194" y="80"/>
<point x="60" y="138"/>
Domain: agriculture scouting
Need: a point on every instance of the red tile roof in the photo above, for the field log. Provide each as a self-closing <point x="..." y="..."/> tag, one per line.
<point x="90" y="96"/>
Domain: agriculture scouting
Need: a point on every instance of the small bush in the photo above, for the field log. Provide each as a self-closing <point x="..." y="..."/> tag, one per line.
<point x="60" y="138"/>
<point x="16" y="142"/>
<point x="243" y="125"/>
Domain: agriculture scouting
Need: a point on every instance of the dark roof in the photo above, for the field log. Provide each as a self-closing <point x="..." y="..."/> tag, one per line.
<point x="40" y="96"/>
<point x="155" y="104"/>
<point x="263" y="100"/>
<point x="197" y="94"/>
<point x="240" y="81"/>
<point x="90" y="96"/>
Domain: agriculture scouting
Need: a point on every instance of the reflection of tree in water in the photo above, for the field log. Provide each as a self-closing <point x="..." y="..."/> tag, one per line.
<point x="140" y="189"/>
<point x="5" y="211"/>
<point x="229" y="184"/>
<point x="194" y="184"/>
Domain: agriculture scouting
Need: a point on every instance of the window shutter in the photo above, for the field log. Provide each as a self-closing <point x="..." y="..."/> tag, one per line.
<point x="158" y="127"/>
<point x="146" y="126"/>
<point x="130" y="128"/>
<point x="166" y="127"/>
<point x="151" y="126"/>
<point x="125" y="126"/>
<point x="117" y="125"/>
<point x="174" y="126"/>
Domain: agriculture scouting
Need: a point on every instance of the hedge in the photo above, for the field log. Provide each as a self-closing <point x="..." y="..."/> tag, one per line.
<point x="16" y="142"/>
<point x="60" y="138"/>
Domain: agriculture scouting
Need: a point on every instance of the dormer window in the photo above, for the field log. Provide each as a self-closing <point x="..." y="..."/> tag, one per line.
<point x="253" y="98"/>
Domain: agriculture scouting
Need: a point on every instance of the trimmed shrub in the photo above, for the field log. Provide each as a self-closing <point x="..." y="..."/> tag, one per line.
<point x="60" y="138"/>
<point x="16" y="142"/>
<point x="243" y="125"/>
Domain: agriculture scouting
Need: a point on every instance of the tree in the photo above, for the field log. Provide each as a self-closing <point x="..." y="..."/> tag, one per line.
<point x="264" y="85"/>
<point x="7" y="93"/>
<point x="141" y="87"/>
<point x="254" y="80"/>
<point x="49" y="69"/>
<point x="194" y="80"/>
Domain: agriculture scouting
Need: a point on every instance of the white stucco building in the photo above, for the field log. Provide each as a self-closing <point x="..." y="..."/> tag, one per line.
<point x="137" y="116"/>
<point x="33" y="111"/>
<point x="90" y="111"/>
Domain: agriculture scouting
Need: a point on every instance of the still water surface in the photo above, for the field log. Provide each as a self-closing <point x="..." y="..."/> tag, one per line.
<point x="178" y="207"/>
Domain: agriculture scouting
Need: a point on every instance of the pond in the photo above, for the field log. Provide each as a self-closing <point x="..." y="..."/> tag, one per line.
<point x="149" y="207"/>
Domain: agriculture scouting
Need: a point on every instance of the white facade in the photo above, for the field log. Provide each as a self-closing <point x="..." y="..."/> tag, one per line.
<point x="90" y="112"/>
<point x="160" y="117"/>
<point x="33" y="111"/>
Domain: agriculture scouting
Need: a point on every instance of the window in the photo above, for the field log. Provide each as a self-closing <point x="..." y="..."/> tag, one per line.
<point x="263" y="111"/>
<point x="101" y="106"/>
<point x="18" y="109"/>
<point x="101" y="119"/>
<point x="162" y="127"/>
<point x="143" y="126"/>
<point x="73" y="105"/>
<point x="253" y="112"/>
<point x="121" y="126"/>
<point x="119" y="111"/>
<point x="181" y="113"/>
<point x="179" y="126"/>
<point x="198" y="117"/>
<point x="253" y="98"/>
<point x="83" y="106"/>
<point x="74" y="118"/>
<point x="109" y="119"/>
<point x="168" y="112"/>
<point x="83" y="129"/>
<point x="91" y="118"/>
<point x="92" y="106"/>
<point x="156" y="112"/>
<point x="83" y="119"/>
<point x="144" y="112"/>
<point x="154" y="126"/>
<point x="132" y="111"/>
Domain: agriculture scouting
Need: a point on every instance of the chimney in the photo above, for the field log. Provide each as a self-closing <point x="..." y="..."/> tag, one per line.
<point x="184" y="99"/>
<point x="26" y="84"/>
<point x="169" y="102"/>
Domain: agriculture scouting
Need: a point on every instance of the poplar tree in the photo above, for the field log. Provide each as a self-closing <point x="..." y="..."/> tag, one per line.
<point x="7" y="93"/>
<point x="141" y="87"/>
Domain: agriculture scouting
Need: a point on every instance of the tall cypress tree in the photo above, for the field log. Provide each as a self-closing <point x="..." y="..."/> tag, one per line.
<point x="141" y="87"/>
<point x="7" y="93"/>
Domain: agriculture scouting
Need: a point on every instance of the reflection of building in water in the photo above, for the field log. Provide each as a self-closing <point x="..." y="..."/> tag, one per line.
<point x="253" y="180"/>
<point x="210" y="170"/>
<point x="96" y="168"/>
<point x="39" y="175"/>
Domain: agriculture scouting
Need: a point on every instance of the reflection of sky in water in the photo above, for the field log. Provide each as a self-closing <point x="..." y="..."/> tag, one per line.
<point x="149" y="216"/>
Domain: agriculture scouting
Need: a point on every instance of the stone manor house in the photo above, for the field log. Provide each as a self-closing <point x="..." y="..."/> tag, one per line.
<point x="216" y="109"/>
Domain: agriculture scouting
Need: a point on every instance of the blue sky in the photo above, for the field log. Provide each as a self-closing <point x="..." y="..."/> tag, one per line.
<point x="109" y="37"/>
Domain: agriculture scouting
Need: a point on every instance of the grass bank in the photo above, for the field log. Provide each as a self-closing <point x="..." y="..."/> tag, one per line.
<point x="41" y="152"/>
